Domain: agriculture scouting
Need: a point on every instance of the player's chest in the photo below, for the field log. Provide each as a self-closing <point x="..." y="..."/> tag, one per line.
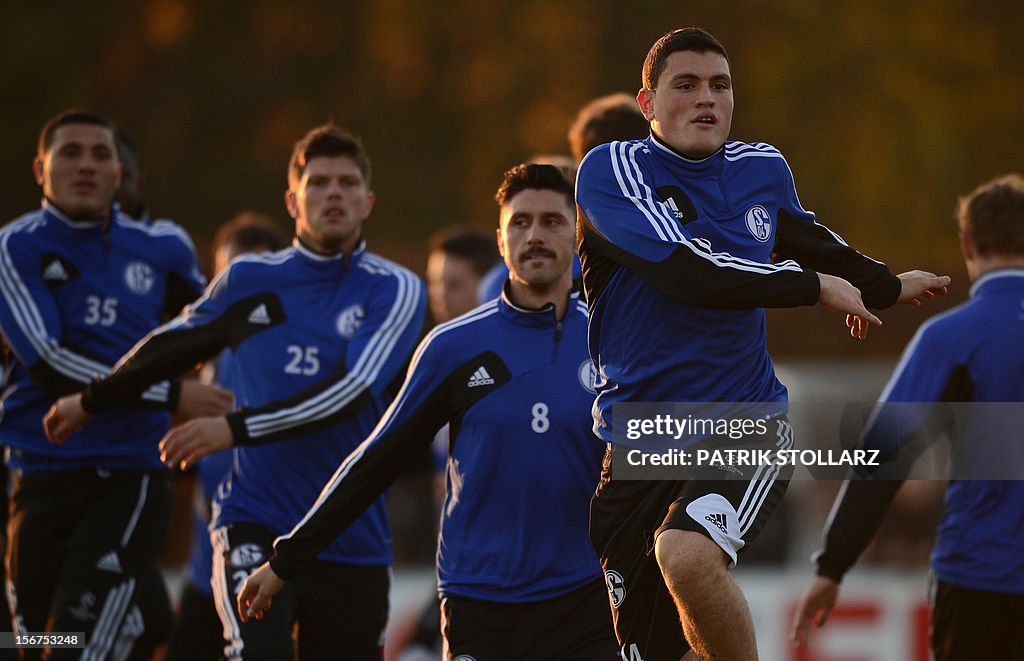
<point x="98" y="288"/>
<point x="736" y="214"/>
<point x="306" y="331"/>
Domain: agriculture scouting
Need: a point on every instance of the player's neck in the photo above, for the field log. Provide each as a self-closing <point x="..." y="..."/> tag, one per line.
<point x="980" y="266"/>
<point x="537" y="296"/>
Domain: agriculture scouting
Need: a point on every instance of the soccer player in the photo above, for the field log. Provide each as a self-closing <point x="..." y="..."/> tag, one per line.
<point x="131" y="193"/>
<point x="676" y="235"/>
<point x="606" y="118"/>
<point x="972" y="353"/>
<point x="317" y="334"/>
<point x="197" y="633"/>
<point x="458" y="259"/>
<point x="516" y="572"/>
<point x="79" y="285"/>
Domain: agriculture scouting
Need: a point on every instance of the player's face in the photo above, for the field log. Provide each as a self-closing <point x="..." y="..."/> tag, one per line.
<point x="329" y="203"/>
<point x="537" y="236"/>
<point x="80" y="171"/>
<point x="451" y="285"/>
<point x="692" y="107"/>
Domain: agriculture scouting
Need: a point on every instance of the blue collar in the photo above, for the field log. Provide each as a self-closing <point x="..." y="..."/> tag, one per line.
<point x="330" y="259"/>
<point x="666" y="152"/>
<point x="998" y="281"/>
<point x="50" y="209"/>
<point x="542" y="317"/>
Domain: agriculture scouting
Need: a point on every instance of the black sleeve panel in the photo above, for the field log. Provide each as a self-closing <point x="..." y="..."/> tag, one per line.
<point x="815" y="247"/>
<point x="54" y="383"/>
<point x="57" y="385"/>
<point x="375" y="464"/>
<point x="692" y="279"/>
<point x="858" y="513"/>
<point x="861" y="504"/>
<point x="178" y="292"/>
<point x="240" y="431"/>
<point x="173" y="352"/>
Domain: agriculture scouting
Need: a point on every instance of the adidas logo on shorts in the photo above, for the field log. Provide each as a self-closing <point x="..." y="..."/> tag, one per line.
<point x="480" y="378"/>
<point x="718" y="520"/>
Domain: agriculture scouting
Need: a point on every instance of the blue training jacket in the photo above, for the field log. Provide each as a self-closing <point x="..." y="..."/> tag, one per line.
<point x="678" y="266"/>
<point x="74" y="297"/>
<point x="316" y="342"/>
<point x="972" y="353"/>
<point x="516" y="387"/>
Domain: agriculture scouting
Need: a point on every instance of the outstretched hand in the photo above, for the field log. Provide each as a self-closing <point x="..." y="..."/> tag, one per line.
<point x="815" y="606"/>
<point x="64" y="418"/>
<point x="839" y="295"/>
<point x="257" y="592"/>
<point x="919" y="286"/>
<point x="183" y="445"/>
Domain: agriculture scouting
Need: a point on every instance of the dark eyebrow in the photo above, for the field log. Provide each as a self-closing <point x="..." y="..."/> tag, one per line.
<point x="692" y="76"/>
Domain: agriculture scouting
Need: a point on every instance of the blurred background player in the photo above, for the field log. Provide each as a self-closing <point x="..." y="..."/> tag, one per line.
<point x="516" y="572"/>
<point x="131" y="193"/>
<point x="459" y="257"/>
<point x="198" y="634"/>
<point x="80" y="285"/>
<point x="317" y="332"/>
<point x="972" y="353"/>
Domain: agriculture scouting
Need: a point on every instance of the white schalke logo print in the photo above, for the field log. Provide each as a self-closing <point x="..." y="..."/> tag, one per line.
<point x="759" y="222"/>
<point x="246" y="555"/>
<point x="588" y="376"/>
<point x="349" y="321"/>
<point x="139" y="277"/>
<point x="464" y="657"/>
<point x="616" y="587"/>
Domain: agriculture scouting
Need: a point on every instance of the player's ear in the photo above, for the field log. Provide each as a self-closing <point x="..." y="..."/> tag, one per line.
<point x="37" y="170"/>
<point x="291" y="204"/>
<point x="501" y="242"/>
<point x="645" y="99"/>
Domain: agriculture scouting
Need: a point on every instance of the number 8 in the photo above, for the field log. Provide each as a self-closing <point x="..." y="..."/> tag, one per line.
<point x="540" y="422"/>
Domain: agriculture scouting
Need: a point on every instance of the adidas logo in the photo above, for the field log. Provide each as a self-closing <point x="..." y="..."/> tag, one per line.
<point x="480" y="378"/>
<point x="110" y="563"/>
<point x="259" y="315"/>
<point x="55" y="272"/>
<point x="718" y="520"/>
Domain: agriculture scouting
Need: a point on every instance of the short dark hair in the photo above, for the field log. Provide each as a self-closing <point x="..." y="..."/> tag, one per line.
<point x="477" y="248"/>
<point x="327" y="140"/>
<point x="992" y="216"/>
<point x="606" y="118"/>
<point x="126" y="147"/>
<point x="535" y="176"/>
<point x="683" y="39"/>
<point x="249" y="230"/>
<point x="63" y="118"/>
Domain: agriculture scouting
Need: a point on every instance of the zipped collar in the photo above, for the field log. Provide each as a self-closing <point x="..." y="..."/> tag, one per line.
<point x="542" y="317"/>
<point x="50" y="209"/>
<point x="329" y="259"/>
<point x="998" y="281"/>
<point x="709" y="163"/>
